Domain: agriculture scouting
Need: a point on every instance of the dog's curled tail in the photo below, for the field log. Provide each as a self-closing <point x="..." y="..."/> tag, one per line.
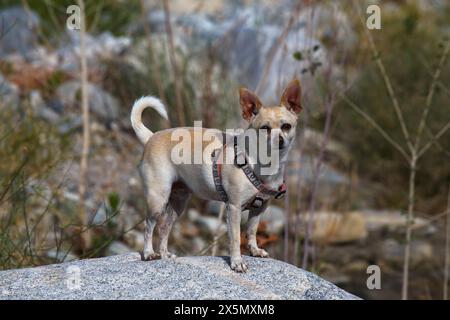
<point x="142" y="132"/>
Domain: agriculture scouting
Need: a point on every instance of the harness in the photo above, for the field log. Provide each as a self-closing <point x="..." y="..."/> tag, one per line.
<point x="241" y="161"/>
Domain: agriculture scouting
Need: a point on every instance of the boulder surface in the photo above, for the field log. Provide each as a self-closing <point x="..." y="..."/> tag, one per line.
<point x="125" y="276"/>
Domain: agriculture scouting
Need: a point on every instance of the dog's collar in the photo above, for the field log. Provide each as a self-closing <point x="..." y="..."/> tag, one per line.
<point x="241" y="161"/>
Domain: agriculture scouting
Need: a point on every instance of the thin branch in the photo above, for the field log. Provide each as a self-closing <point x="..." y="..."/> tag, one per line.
<point x="299" y="187"/>
<point x="409" y="224"/>
<point x="434" y="139"/>
<point x="329" y="103"/>
<point x="213" y="243"/>
<point x="447" y="248"/>
<point x="431" y="73"/>
<point x="287" y="214"/>
<point x="436" y="142"/>
<point x="430" y="95"/>
<point x="380" y="130"/>
<point x="86" y="133"/>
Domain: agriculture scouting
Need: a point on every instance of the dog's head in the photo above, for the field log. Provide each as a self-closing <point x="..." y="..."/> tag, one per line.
<point x="277" y="123"/>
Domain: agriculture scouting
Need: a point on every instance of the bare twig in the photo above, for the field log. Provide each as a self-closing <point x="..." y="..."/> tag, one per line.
<point x="86" y="130"/>
<point x="447" y="248"/>
<point x="307" y="247"/>
<point x="329" y="101"/>
<point x="299" y="194"/>
<point x="287" y="213"/>
<point x="433" y="139"/>
<point x="298" y="216"/>
<point x="431" y="91"/>
<point x="213" y="243"/>
<point x="376" y="126"/>
<point x="436" y="142"/>
<point x="409" y="223"/>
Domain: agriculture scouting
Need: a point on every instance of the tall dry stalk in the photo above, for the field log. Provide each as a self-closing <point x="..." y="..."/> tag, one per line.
<point x="301" y="145"/>
<point x="329" y="101"/>
<point x="307" y="248"/>
<point x="287" y="216"/>
<point x="156" y="74"/>
<point x="298" y="213"/>
<point x="175" y="72"/>
<point x="86" y="233"/>
<point x="413" y="150"/>
<point x="447" y="248"/>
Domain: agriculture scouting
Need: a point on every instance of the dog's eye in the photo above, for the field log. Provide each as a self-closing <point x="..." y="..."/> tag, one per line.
<point x="286" y="127"/>
<point x="265" y="128"/>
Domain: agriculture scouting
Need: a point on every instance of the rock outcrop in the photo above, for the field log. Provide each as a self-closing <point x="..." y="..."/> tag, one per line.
<point x="127" y="277"/>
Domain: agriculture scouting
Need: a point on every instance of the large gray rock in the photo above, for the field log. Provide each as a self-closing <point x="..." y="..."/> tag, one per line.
<point x="98" y="48"/>
<point x="101" y="103"/>
<point x="127" y="277"/>
<point x="243" y="37"/>
<point x="18" y="28"/>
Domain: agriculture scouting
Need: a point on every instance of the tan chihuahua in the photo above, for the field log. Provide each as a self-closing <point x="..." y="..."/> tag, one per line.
<point x="240" y="182"/>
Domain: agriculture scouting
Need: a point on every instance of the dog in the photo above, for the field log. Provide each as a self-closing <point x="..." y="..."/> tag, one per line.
<point x="168" y="185"/>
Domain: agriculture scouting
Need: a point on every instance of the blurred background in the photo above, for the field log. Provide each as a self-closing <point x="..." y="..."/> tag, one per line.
<point x="369" y="176"/>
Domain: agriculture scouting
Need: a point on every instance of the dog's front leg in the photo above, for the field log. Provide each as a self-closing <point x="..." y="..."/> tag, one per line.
<point x="234" y="236"/>
<point x="252" y="228"/>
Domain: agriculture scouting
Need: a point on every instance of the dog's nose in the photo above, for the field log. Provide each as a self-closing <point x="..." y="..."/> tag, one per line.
<point x="281" y="142"/>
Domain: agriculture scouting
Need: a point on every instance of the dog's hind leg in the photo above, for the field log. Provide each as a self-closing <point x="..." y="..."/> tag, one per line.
<point x="149" y="253"/>
<point x="157" y="197"/>
<point x="164" y="227"/>
<point x="178" y="200"/>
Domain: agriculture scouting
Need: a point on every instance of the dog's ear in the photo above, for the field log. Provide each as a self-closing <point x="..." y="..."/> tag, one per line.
<point x="250" y="103"/>
<point x="291" y="96"/>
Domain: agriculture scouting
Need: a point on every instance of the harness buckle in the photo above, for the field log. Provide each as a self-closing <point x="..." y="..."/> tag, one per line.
<point x="258" y="202"/>
<point x="240" y="160"/>
<point x="280" y="195"/>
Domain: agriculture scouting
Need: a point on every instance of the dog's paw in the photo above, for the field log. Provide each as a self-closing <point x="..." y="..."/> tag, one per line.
<point x="238" y="265"/>
<point x="150" y="256"/>
<point x="167" y="255"/>
<point x="257" y="252"/>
